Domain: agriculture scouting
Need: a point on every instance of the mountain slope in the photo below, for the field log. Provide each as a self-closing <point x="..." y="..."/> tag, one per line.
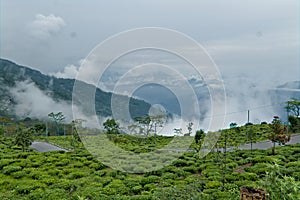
<point x="58" y="89"/>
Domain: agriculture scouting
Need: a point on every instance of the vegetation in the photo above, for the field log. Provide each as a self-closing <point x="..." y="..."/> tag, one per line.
<point x="278" y="133"/>
<point x="293" y="110"/>
<point x="111" y="126"/>
<point x="58" y="118"/>
<point x="75" y="175"/>
<point x="78" y="175"/>
<point x="59" y="89"/>
<point x="23" y="138"/>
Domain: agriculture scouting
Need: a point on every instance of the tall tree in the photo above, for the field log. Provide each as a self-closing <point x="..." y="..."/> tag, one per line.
<point x="189" y="127"/>
<point x="58" y="118"/>
<point x="150" y="123"/>
<point x="293" y="106"/>
<point x="293" y="110"/>
<point x="277" y="135"/>
<point x="199" y="136"/>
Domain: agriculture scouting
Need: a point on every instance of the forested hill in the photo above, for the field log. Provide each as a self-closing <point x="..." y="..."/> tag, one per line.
<point x="59" y="89"/>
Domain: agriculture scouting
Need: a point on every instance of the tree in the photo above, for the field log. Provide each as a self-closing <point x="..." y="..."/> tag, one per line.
<point x="38" y="129"/>
<point x="58" y="118"/>
<point x="76" y="123"/>
<point x="293" y="109"/>
<point x="294" y="123"/>
<point x="199" y="136"/>
<point x="277" y="135"/>
<point x="111" y="126"/>
<point x="146" y="125"/>
<point x="178" y="131"/>
<point x="189" y="127"/>
<point x="76" y="137"/>
<point x="149" y="123"/>
<point x="233" y="125"/>
<point x="4" y="121"/>
<point x="23" y="138"/>
<point x="293" y="106"/>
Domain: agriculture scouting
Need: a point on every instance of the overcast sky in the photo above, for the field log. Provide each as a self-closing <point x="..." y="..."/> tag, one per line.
<point x="257" y="38"/>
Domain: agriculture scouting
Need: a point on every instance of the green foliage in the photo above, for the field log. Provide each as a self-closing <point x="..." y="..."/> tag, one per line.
<point x="74" y="175"/>
<point x="59" y="89"/>
<point x="199" y="135"/>
<point x="293" y="106"/>
<point x="294" y="124"/>
<point x="277" y="135"/>
<point x="279" y="186"/>
<point x="23" y="138"/>
<point x="10" y="169"/>
<point x="111" y="126"/>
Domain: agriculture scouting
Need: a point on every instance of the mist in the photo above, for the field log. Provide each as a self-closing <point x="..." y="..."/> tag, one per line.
<point x="34" y="103"/>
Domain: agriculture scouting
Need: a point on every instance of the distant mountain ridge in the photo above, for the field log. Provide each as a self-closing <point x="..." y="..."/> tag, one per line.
<point x="291" y="85"/>
<point x="59" y="89"/>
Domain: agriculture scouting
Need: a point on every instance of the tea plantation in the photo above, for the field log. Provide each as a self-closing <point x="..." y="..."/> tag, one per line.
<point x="78" y="175"/>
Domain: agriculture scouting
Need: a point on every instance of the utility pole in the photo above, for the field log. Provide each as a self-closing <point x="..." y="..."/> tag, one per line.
<point x="64" y="134"/>
<point x="287" y="119"/>
<point x="247" y="136"/>
<point x="224" y="161"/>
<point x="46" y="131"/>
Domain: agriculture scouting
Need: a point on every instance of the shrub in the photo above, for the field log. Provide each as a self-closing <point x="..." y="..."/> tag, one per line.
<point x="97" y="166"/>
<point x="18" y="174"/>
<point x="35" y="174"/>
<point x="5" y="162"/>
<point x="151" y="179"/>
<point x="191" y="169"/>
<point x="56" y="193"/>
<point x="10" y="169"/>
<point x="213" y="185"/>
<point x="65" y="184"/>
<point x="259" y="169"/>
<point x="150" y="187"/>
<point x="115" y="187"/>
<point x="180" y="163"/>
<point x="62" y="162"/>
<point x="137" y="189"/>
<point x="169" y="176"/>
<point x="49" y="181"/>
<point x="247" y="176"/>
<point x="296" y="175"/>
<point x="76" y="175"/>
<point x="25" y="187"/>
<point x="131" y="182"/>
<point x="91" y="191"/>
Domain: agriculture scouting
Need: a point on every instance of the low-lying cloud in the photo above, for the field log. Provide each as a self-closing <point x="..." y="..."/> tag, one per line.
<point x="33" y="102"/>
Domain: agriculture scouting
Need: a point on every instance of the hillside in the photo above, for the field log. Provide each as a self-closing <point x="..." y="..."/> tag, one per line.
<point x="58" y="89"/>
<point x="78" y="175"/>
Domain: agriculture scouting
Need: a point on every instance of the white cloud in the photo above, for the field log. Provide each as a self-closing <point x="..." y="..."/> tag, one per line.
<point x="32" y="102"/>
<point x="44" y="26"/>
<point x="70" y="71"/>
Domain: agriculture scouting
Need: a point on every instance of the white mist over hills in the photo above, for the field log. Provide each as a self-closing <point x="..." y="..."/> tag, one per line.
<point x="242" y="94"/>
<point x="263" y="99"/>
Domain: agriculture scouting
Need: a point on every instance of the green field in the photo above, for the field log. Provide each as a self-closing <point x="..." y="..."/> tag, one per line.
<point x="78" y="175"/>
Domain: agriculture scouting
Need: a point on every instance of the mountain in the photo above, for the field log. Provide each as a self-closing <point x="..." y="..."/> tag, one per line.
<point x="290" y="85"/>
<point x="158" y="94"/>
<point x="58" y="90"/>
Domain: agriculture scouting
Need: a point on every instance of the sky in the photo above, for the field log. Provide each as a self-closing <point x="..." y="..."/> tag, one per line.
<point x="256" y="41"/>
<point x="241" y="36"/>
